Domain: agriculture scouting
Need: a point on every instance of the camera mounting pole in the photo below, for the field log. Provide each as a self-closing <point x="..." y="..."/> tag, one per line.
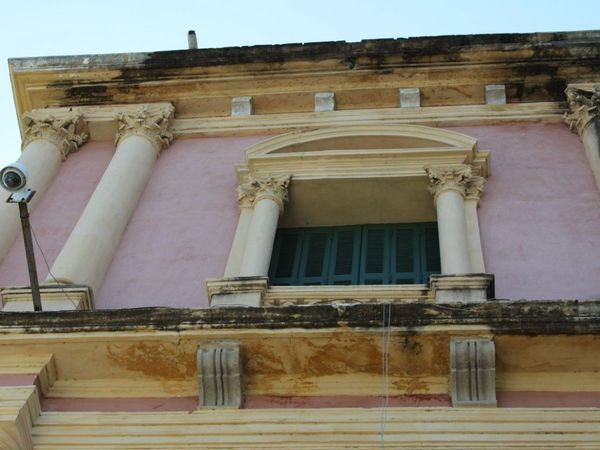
<point x="22" y="201"/>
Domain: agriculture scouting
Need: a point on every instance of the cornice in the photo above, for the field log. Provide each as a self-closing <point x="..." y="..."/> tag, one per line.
<point x="151" y="123"/>
<point x="68" y="131"/>
<point x="584" y="107"/>
<point x="102" y="125"/>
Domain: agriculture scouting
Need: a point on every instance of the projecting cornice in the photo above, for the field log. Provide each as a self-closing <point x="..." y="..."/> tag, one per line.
<point x="447" y="70"/>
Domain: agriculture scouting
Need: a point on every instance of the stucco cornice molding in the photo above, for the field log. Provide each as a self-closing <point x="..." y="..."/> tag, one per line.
<point x="258" y="188"/>
<point x="584" y="107"/>
<point x="68" y="132"/>
<point x="442" y="179"/>
<point x="152" y="123"/>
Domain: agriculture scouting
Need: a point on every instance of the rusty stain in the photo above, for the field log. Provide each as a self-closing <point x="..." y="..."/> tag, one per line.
<point x="154" y="360"/>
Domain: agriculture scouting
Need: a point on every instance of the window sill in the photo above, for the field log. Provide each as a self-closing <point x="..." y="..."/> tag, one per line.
<point x="470" y="288"/>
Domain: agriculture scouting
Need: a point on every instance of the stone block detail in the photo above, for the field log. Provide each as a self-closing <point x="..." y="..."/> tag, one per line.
<point x="220" y="375"/>
<point x="495" y="94"/>
<point x="410" y="98"/>
<point x="241" y="106"/>
<point x="473" y="372"/>
<point x="324" y="101"/>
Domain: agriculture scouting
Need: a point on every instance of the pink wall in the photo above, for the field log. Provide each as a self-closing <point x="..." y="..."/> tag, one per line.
<point x="539" y="218"/>
<point x="540" y="213"/>
<point x="182" y="229"/>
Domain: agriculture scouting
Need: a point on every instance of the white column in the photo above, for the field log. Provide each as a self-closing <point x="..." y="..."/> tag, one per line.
<point x="47" y="142"/>
<point x="448" y="188"/>
<point x="474" y="189"/>
<point x="584" y="119"/>
<point x="270" y="196"/>
<point x="88" y="252"/>
<point x="236" y="254"/>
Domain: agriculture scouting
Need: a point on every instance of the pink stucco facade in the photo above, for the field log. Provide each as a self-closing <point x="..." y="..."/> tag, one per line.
<point x="539" y="218"/>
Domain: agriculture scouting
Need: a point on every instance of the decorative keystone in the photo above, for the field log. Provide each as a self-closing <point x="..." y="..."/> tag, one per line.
<point x="220" y="375"/>
<point x="584" y="106"/>
<point x="495" y="94"/>
<point x="241" y="106"/>
<point x="154" y="125"/>
<point x="410" y="98"/>
<point x="324" y="101"/>
<point x="473" y="372"/>
<point x="67" y="133"/>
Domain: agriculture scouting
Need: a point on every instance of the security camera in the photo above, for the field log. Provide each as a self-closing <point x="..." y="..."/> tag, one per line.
<point x="13" y="178"/>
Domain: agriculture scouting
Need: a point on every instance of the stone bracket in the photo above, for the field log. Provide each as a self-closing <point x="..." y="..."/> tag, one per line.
<point x="220" y="375"/>
<point x="472" y="372"/>
<point x="54" y="298"/>
<point x="238" y="291"/>
<point x="468" y="288"/>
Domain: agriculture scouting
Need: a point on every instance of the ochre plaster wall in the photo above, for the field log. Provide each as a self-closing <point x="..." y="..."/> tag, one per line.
<point x="539" y="218"/>
<point x="540" y="213"/>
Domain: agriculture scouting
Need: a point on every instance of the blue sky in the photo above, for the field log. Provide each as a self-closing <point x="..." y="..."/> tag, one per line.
<point x="65" y="27"/>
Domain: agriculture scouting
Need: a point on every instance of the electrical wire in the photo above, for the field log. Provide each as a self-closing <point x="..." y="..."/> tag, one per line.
<point x="48" y="267"/>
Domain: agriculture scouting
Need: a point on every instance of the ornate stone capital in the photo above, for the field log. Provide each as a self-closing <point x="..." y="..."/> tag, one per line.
<point x="474" y="188"/>
<point x="448" y="178"/>
<point x="584" y="106"/>
<point x="67" y="133"/>
<point x="151" y="124"/>
<point x="274" y="188"/>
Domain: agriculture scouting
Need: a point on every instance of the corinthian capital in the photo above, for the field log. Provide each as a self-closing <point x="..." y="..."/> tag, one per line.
<point x="584" y="106"/>
<point x="151" y="124"/>
<point x="67" y="133"/>
<point x="257" y="188"/>
<point x="474" y="187"/>
<point x="448" y="178"/>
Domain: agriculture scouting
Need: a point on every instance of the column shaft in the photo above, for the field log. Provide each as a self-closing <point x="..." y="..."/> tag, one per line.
<point x="236" y="254"/>
<point x="87" y="254"/>
<point x="452" y="229"/>
<point x="259" y="245"/>
<point x="473" y="236"/>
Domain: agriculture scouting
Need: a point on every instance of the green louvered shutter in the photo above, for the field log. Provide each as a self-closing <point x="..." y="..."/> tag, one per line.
<point x="405" y="254"/>
<point x="430" y="251"/>
<point x="345" y="256"/>
<point x="285" y="261"/>
<point x="315" y="257"/>
<point x="375" y="255"/>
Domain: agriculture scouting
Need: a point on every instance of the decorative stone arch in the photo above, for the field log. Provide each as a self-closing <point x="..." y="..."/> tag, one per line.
<point x="335" y="174"/>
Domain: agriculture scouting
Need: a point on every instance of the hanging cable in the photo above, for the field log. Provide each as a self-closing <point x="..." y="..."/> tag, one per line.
<point x="49" y="271"/>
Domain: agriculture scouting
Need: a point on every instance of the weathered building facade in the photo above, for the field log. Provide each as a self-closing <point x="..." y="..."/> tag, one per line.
<point x="330" y="245"/>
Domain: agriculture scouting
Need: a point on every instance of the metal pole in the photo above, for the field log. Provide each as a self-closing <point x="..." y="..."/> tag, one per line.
<point x="33" y="279"/>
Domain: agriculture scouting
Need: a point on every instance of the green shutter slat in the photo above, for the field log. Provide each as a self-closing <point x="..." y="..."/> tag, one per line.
<point x="344" y="253"/>
<point x="405" y="250"/>
<point x="315" y="256"/>
<point x="345" y="256"/>
<point x="286" y="257"/>
<point x="375" y="255"/>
